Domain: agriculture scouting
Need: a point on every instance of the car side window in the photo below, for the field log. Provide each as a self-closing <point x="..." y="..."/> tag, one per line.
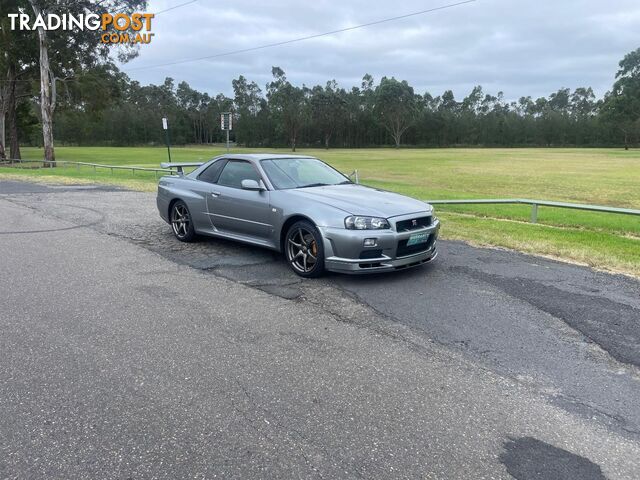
<point x="235" y="171"/>
<point x="212" y="172"/>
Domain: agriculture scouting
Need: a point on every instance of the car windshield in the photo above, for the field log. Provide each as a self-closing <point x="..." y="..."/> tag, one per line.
<point x="301" y="173"/>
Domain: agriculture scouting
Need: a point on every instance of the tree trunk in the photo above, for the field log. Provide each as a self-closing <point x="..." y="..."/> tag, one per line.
<point x="14" y="144"/>
<point x="3" y="155"/>
<point x="47" y="94"/>
<point x="3" y="115"/>
<point x="396" y="137"/>
<point x="626" y="141"/>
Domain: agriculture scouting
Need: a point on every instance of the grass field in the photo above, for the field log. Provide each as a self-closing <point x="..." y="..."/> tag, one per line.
<point x="595" y="176"/>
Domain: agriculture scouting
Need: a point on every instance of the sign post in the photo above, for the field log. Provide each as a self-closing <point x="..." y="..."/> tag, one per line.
<point x="226" y="123"/>
<point x="165" y="127"/>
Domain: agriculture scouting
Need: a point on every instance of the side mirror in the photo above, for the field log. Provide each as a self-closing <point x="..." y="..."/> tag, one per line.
<point x="251" y="185"/>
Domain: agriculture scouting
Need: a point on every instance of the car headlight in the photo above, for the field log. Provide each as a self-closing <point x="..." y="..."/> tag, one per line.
<point x="365" y="223"/>
<point x="431" y="212"/>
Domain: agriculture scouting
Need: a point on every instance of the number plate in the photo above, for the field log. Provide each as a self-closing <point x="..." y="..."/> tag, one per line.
<point x="417" y="238"/>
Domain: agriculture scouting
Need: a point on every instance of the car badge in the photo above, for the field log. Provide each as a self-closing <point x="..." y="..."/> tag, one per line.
<point x="414" y="223"/>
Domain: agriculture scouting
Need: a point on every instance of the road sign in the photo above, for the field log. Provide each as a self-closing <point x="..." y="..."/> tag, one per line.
<point x="165" y="127"/>
<point x="226" y="121"/>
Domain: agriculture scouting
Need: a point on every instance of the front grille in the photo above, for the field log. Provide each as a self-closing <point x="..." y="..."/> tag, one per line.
<point x="403" y="250"/>
<point x="408" y="225"/>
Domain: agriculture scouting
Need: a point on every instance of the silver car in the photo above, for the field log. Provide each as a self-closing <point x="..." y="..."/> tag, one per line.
<point x="302" y="207"/>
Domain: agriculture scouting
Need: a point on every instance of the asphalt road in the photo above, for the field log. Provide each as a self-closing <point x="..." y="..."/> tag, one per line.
<point x="126" y="354"/>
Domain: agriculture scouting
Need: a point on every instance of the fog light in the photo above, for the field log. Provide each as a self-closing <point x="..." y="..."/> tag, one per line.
<point x="370" y="242"/>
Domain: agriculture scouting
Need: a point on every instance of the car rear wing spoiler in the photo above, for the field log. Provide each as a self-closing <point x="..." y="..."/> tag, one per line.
<point x="179" y="166"/>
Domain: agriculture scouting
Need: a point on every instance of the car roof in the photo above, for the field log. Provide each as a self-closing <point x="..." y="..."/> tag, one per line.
<point x="261" y="156"/>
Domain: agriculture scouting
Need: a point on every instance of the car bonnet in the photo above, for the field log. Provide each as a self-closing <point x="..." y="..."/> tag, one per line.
<point x="361" y="200"/>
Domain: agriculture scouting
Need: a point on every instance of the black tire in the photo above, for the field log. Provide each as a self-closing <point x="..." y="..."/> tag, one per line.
<point x="304" y="250"/>
<point x="181" y="222"/>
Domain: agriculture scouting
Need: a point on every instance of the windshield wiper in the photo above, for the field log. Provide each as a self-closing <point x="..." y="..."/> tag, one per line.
<point x="346" y="182"/>
<point x="314" y="185"/>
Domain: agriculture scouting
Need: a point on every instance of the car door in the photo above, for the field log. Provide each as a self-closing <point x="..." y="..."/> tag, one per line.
<point x="237" y="211"/>
<point x="203" y="185"/>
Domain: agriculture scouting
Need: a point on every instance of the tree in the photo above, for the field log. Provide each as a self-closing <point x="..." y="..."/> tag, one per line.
<point x="583" y="109"/>
<point x="47" y="91"/>
<point x="583" y="102"/>
<point x="622" y="104"/>
<point x="248" y="103"/>
<point x="447" y="111"/>
<point x="219" y="105"/>
<point x="17" y="59"/>
<point x="395" y="106"/>
<point x="191" y="102"/>
<point x="327" y="109"/>
<point x="288" y="103"/>
<point x="71" y="50"/>
<point x="469" y="109"/>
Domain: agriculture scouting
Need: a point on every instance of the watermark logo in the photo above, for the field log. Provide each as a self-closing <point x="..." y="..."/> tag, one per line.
<point x="119" y="28"/>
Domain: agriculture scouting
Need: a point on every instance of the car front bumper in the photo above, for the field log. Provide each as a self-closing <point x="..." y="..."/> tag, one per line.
<point x="345" y="251"/>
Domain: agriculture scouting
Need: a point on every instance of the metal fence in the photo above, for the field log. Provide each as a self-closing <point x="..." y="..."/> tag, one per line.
<point x="510" y="201"/>
<point x="536" y="203"/>
<point x="78" y="165"/>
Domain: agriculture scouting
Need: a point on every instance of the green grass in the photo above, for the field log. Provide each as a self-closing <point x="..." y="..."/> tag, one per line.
<point x="595" y="176"/>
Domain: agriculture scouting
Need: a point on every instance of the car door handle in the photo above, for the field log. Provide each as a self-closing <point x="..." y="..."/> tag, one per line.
<point x="215" y="194"/>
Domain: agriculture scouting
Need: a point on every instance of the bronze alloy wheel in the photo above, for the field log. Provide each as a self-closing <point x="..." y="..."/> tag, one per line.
<point x="304" y="250"/>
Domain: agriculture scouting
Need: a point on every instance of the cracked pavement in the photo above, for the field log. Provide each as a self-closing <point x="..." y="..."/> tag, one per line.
<point x="126" y="354"/>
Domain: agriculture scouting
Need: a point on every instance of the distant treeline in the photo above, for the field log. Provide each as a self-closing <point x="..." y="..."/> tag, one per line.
<point x="107" y="108"/>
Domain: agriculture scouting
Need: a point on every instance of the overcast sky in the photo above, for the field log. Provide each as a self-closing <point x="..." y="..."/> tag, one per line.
<point x="515" y="46"/>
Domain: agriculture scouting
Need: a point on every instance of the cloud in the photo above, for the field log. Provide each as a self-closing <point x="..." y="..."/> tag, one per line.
<point x="515" y="46"/>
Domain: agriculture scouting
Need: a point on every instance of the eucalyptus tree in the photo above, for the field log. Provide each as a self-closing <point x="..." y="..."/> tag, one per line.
<point x="248" y="103"/>
<point x="396" y="106"/>
<point x="448" y="111"/>
<point x="189" y="102"/>
<point x="64" y="54"/>
<point x="583" y="108"/>
<point x="328" y="107"/>
<point x="289" y="105"/>
<point x="17" y="61"/>
<point x="469" y="111"/>
<point x="622" y="105"/>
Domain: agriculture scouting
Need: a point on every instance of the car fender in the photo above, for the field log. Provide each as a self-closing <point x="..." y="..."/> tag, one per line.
<point x="319" y="213"/>
<point x="172" y="188"/>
